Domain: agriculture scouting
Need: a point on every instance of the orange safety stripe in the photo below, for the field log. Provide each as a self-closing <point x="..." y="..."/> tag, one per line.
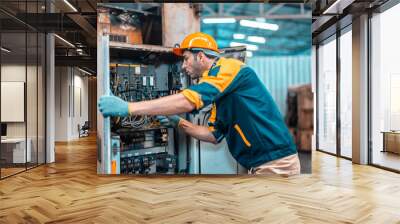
<point x="242" y="135"/>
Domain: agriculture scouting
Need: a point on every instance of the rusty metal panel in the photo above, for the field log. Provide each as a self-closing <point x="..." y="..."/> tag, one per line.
<point x="179" y="20"/>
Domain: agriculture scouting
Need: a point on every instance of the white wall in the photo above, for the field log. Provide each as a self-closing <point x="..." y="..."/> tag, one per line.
<point x="16" y="73"/>
<point x="80" y="100"/>
<point x="33" y="127"/>
<point x="61" y="103"/>
<point x="71" y="94"/>
<point x="12" y="73"/>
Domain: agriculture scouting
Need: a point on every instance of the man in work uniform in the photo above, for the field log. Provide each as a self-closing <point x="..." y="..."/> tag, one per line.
<point x="243" y="111"/>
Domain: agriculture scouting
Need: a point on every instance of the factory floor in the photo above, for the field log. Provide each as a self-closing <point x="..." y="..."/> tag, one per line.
<point x="70" y="191"/>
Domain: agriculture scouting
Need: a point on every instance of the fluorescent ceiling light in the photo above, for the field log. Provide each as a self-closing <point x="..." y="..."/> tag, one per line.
<point x="86" y="72"/>
<point x="219" y="20"/>
<point x="70" y="5"/>
<point x="239" y="36"/>
<point x="251" y="47"/>
<point x="256" y="39"/>
<point x="338" y="6"/>
<point x="249" y="54"/>
<point x="5" y="50"/>
<point x="65" y="41"/>
<point x="259" y="25"/>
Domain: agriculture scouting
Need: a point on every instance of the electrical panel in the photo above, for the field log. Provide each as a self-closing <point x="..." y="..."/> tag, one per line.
<point x="132" y="64"/>
<point x="139" y="144"/>
<point x="145" y="146"/>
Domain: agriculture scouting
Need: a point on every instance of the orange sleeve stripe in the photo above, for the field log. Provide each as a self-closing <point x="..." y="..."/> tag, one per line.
<point x="213" y="116"/>
<point x="193" y="97"/>
<point x="239" y="130"/>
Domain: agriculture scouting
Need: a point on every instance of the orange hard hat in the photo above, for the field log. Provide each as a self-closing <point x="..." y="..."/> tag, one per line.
<point x="197" y="41"/>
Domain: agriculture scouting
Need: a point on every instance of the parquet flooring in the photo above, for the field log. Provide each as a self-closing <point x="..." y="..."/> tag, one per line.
<point x="70" y="191"/>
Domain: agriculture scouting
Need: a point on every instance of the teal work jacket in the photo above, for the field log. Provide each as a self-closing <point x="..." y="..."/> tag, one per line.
<point x="243" y="112"/>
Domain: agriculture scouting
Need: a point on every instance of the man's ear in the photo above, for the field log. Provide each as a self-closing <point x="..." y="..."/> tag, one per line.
<point x="201" y="56"/>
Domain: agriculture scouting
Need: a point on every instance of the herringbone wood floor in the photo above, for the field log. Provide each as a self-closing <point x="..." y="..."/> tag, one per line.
<point x="70" y="191"/>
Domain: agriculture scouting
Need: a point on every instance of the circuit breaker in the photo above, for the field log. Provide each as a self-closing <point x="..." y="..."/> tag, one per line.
<point x="145" y="146"/>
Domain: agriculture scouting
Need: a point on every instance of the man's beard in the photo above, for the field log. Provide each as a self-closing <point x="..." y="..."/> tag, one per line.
<point x="196" y="72"/>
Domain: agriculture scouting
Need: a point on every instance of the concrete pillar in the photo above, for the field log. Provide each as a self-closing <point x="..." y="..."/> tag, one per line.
<point x="50" y="92"/>
<point x="360" y="90"/>
<point x="314" y="91"/>
<point x="178" y="20"/>
<point x="50" y="99"/>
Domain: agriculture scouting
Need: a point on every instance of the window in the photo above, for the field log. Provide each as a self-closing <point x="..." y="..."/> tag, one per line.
<point x="385" y="89"/>
<point x="22" y="77"/>
<point x="327" y="96"/>
<point x="346" y="93"/>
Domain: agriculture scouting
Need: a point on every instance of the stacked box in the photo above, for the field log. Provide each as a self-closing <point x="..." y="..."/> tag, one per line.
<point x="305" y="120"/>
<point x="304" y="140"/>
<point x="300" y="115"/>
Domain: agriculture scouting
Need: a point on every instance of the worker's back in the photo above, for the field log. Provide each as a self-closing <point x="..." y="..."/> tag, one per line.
<point x="245" y="113"/>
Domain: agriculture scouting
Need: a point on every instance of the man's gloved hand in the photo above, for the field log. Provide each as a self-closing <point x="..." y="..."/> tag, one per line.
<point x="113" y="106"/>
<point x="169" y="121"/>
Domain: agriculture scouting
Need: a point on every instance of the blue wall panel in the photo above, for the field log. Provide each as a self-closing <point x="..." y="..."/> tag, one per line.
<point x="280" y="72"/>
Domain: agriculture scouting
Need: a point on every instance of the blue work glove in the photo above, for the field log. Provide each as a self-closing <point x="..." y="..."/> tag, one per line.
<point x="169" y="121"/>
<point x="113" y="106"/>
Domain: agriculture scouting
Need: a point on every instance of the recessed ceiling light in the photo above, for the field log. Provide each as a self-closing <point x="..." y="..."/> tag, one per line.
<point x="70" y="5"/>
<point x="5" y="50"/>
<point x="84" y="71"/>
<point x="334" y="8"/>
<point x="65" y="41"/>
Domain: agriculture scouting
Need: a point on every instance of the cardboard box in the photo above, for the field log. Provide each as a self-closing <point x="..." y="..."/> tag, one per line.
<point x="305" y="119"/>
<point x="304" y="140"/>
<point x="305" y="100"/>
